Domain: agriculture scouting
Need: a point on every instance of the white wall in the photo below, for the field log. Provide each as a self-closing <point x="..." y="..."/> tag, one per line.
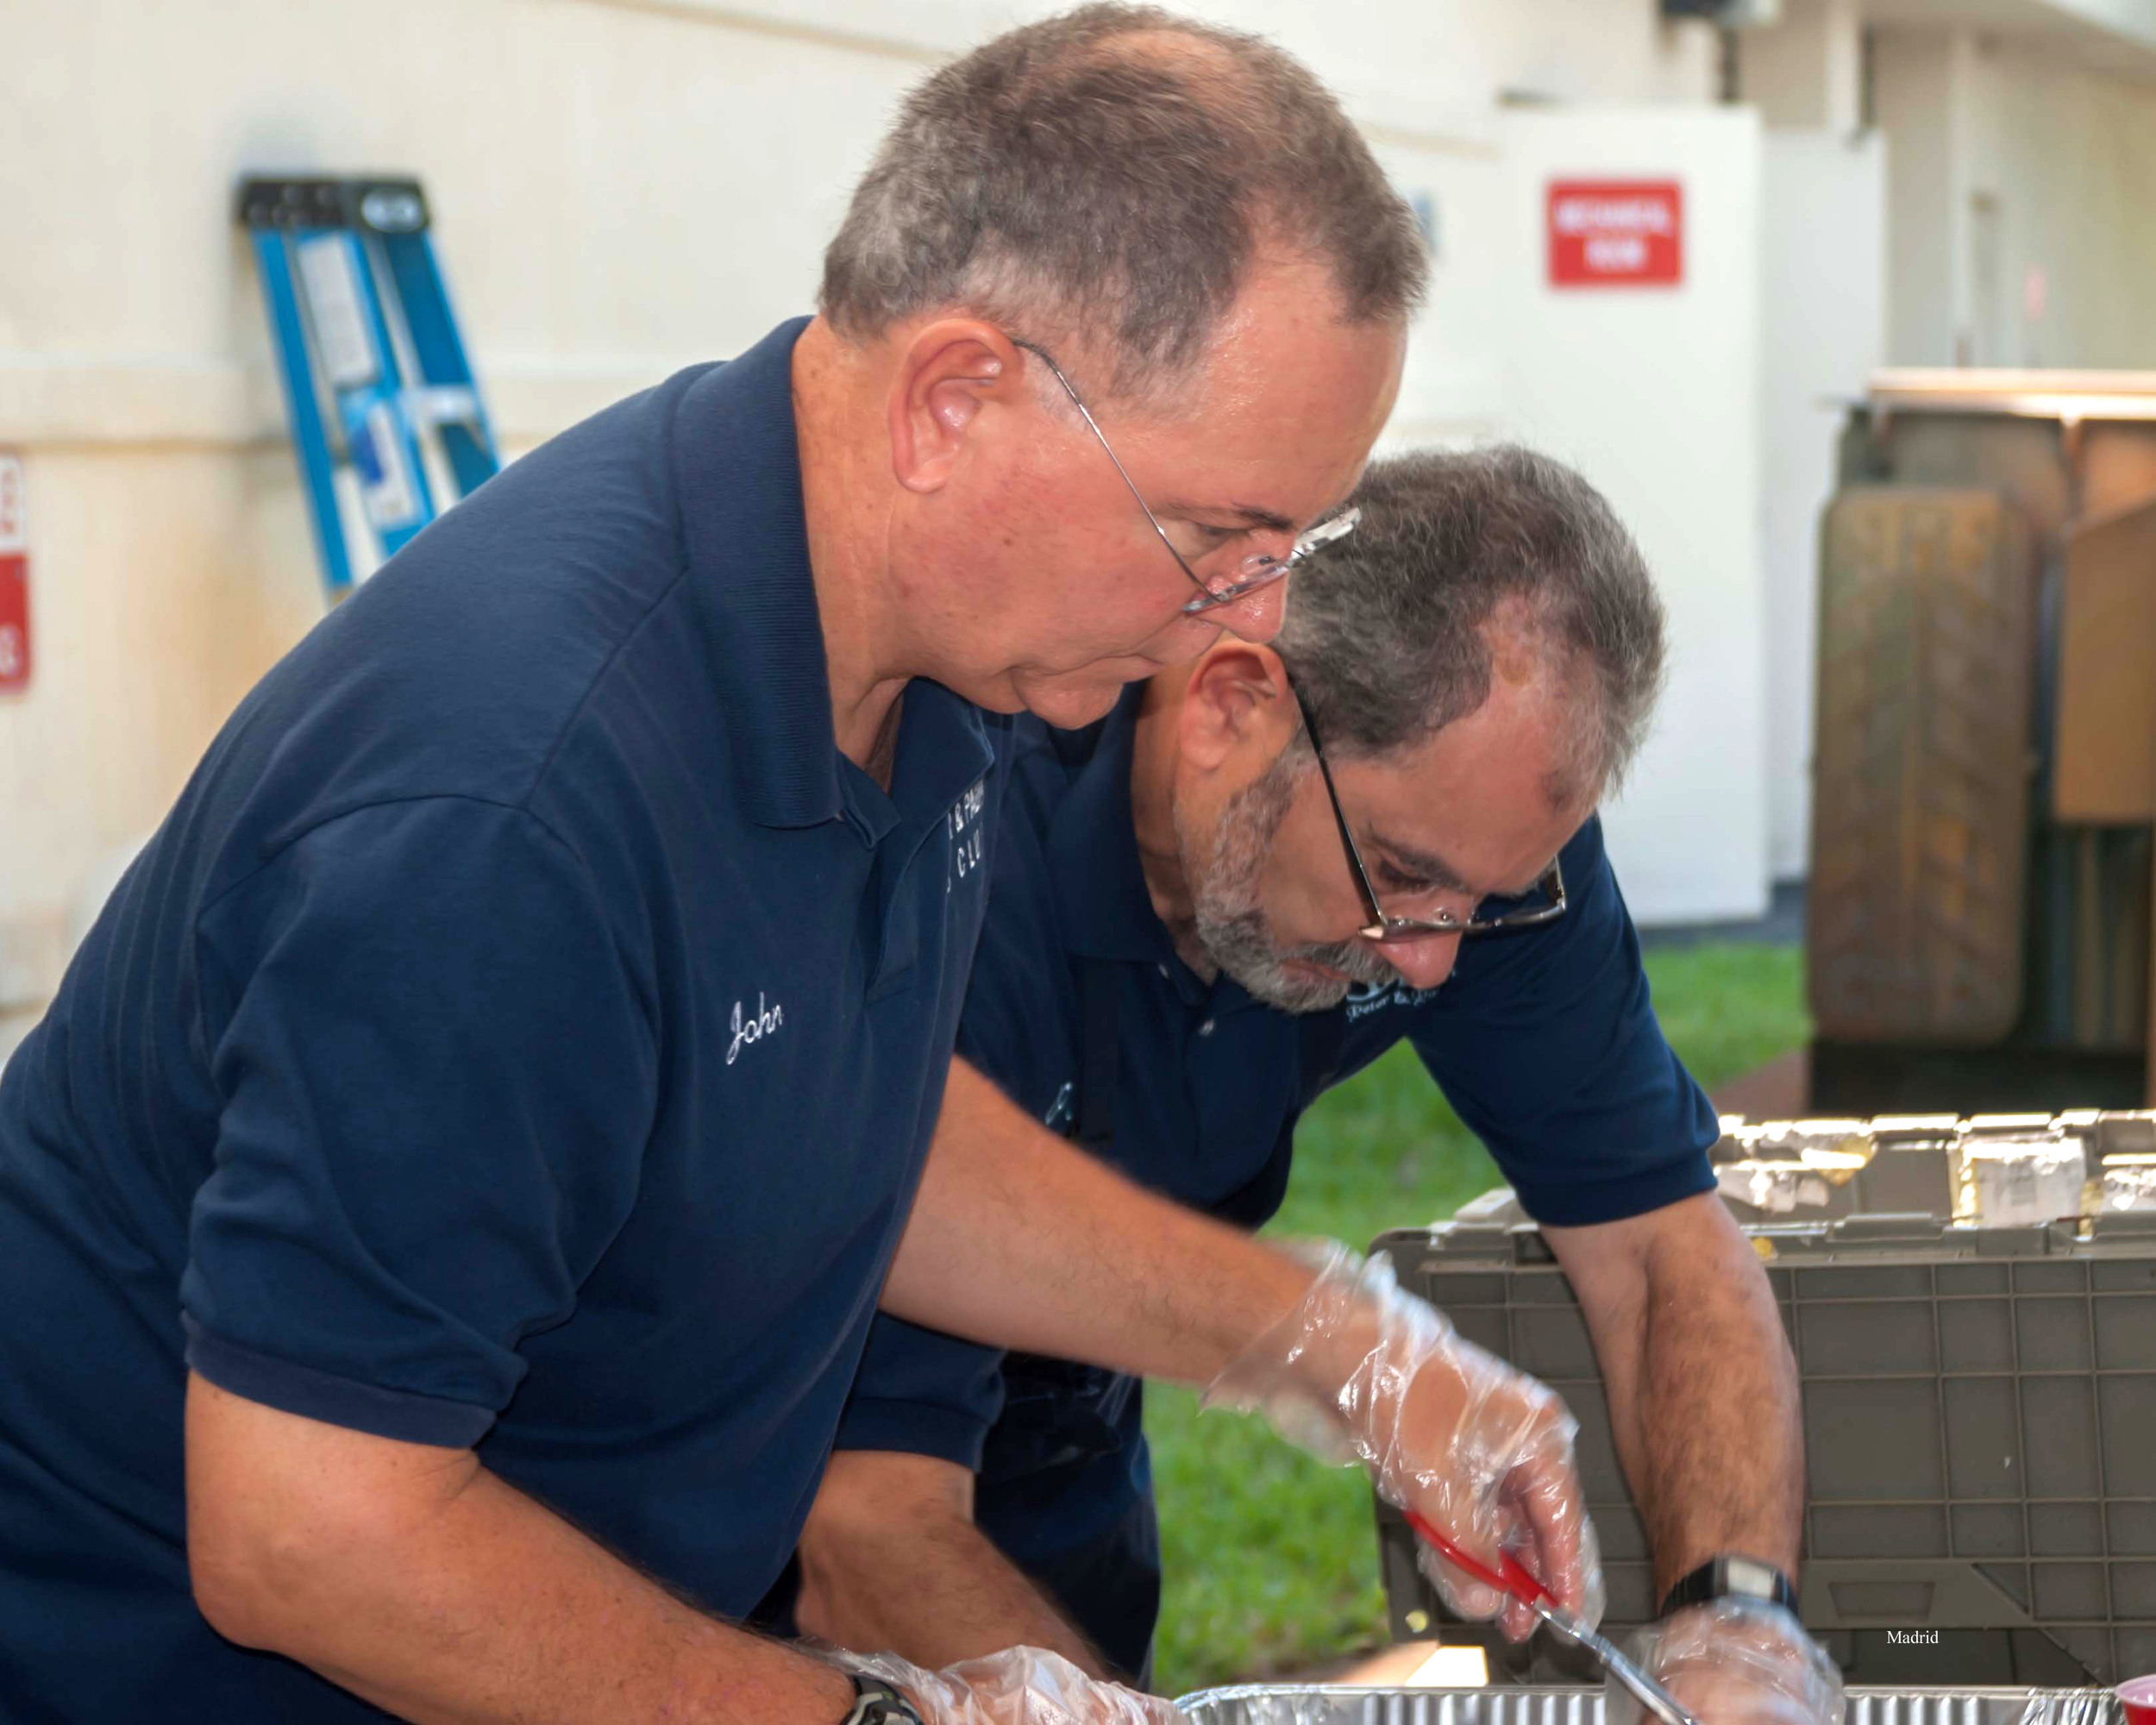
<point x="2007" y="157"/>
<point x="1654" y="393"/>
<point x="2070" y="156"/>
<point x="1822" y="319"/>
<point x="1452" y="390"/>
<point x="1404" y="62"/>
<point x="620" y="187"/>
<point x="1823" y="331"/>
<point x="1913" y="86"/>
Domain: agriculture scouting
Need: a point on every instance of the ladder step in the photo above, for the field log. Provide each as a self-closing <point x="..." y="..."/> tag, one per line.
<point x="373" y="363"/>
<point x="446" y="405"/>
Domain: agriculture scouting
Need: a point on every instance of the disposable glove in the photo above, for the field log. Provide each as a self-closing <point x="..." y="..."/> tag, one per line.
<point x="1018" y="1686"/>
<point x="1735" y="1662"/>
<point x="1361" y="1370"/>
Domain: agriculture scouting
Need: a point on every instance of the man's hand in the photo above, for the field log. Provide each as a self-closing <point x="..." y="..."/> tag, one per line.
<point x="1737" y="1662"/>
<point x="891" y="1559"/>
<point x="1484" y="1452"/>
<point x="1019" y="1686"/>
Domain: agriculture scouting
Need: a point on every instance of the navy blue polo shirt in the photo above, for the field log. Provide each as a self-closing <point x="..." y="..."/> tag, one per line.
<point x="525" y="1032"/>
<point x="1545" y="1042"/>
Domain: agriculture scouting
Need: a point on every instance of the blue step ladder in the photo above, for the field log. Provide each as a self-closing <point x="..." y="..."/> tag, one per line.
<point x="376" y="381"/>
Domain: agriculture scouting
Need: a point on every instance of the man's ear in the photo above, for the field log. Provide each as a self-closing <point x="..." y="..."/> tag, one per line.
<point x="1236" y="702"/>
<point x="947" y="372"/>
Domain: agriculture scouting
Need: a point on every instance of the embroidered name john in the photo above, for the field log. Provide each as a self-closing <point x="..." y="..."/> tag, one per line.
<point x="752" y="1026"/>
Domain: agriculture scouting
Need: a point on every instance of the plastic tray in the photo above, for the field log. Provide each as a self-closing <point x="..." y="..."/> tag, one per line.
<point x="1980" y="1418"/>
<point x="1319" y="1704"/>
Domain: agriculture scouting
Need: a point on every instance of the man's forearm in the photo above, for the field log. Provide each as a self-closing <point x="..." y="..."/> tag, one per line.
<point x="435" y="1590"/>
<point x="1720" y="1421"/>
<point x="1702" y="1387"/>
<point x="1019" y="1240"/>
<point x="891" y="1561"/>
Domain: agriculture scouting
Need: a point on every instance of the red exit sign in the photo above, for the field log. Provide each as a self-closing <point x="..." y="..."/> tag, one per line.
<point x="1616" y="233"/>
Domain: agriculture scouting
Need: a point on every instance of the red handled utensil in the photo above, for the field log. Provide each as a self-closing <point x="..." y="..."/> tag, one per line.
<point x="1512" y="1578"/>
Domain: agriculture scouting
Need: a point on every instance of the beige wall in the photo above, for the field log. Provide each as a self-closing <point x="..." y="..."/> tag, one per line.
<point x="1926" y="186"/>
<point x="2007" y="157"/>
<point x="1807" y="71"/>
<point x="2070" y="156"/>
<point x="1823" y="324"/>
<point x="621" y="187"/>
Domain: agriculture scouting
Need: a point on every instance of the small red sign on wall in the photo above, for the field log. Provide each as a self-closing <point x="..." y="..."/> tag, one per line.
<point x="14" y="578"/>
<point x="1616" y="233"/>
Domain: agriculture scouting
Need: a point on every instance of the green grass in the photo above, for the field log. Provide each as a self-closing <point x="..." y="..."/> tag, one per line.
<point x="1271" y="1558"/>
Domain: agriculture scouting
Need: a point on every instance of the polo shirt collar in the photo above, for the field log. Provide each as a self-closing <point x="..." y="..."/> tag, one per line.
<point x="943" y="747"/>
<point x="737" y="477"/>
<point x="943" y="750"/>
<point x="1106" y="908"/>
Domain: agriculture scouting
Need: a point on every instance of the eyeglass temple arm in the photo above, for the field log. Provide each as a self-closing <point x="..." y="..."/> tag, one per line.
<point x="1101" y="438"/>
<point x="1376" y="925"/>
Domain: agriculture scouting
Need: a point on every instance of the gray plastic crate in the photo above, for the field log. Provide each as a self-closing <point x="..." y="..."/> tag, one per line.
<point x="1980" y="1418"/>
<point x="1317" y="1704"/>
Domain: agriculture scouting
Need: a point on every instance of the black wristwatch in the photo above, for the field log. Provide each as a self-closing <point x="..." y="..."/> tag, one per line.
<point x="1733" y="1578"/>
<point x="876" y="1703"/>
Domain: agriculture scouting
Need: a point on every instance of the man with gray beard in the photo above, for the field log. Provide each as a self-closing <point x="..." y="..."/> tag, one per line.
<point x="1238" y="890"/>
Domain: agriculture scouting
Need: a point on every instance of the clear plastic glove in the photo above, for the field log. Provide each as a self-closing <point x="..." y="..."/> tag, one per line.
<point x="1735" y="1662"/>
<point x="1018" y="1686"/>
<point x="1361" y="1370"/>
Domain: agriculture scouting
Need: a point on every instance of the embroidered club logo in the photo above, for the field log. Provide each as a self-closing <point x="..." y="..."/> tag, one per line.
<point x="1366" y="998"/>
<point x="967" y="831"/>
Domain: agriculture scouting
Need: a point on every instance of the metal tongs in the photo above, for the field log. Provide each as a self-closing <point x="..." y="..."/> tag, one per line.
<point x="1512" y="1578"/>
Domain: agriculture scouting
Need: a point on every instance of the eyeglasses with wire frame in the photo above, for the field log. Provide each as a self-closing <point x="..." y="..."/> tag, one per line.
<point x="1381" y="928"/>
<point x="1257" y="572"/>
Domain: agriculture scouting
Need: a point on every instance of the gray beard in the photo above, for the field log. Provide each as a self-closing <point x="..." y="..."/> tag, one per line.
<point x="1223" y="870"/>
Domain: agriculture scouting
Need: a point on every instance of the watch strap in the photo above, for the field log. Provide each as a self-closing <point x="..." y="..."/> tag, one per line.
<point x="876" y="1703"/>
<point x="1731" y="1577"/>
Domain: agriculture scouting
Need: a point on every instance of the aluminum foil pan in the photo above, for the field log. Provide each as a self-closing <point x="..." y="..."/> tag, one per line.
<point x="1319" y="1704"/>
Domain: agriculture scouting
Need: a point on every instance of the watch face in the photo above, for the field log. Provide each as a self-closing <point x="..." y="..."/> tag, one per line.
<point x="1748" y="1575"/>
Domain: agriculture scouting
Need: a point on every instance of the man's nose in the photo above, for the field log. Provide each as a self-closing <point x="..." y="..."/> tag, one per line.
<point x="1424" y="961"/>
<point x="1258" y="618"/>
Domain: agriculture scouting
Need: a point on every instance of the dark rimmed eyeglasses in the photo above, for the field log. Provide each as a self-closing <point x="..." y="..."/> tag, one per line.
<point x="1546" y="902"/>
<point x="1257" y="572"/>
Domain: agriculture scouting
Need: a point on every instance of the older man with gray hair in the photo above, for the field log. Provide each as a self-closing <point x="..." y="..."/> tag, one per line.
<point x="442" y="1212"/>
<point x="1243" y="887"/>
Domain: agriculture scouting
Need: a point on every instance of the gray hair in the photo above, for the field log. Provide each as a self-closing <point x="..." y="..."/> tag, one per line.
<point x="1117" y="167"/>
<point x="1387" y="635"/>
